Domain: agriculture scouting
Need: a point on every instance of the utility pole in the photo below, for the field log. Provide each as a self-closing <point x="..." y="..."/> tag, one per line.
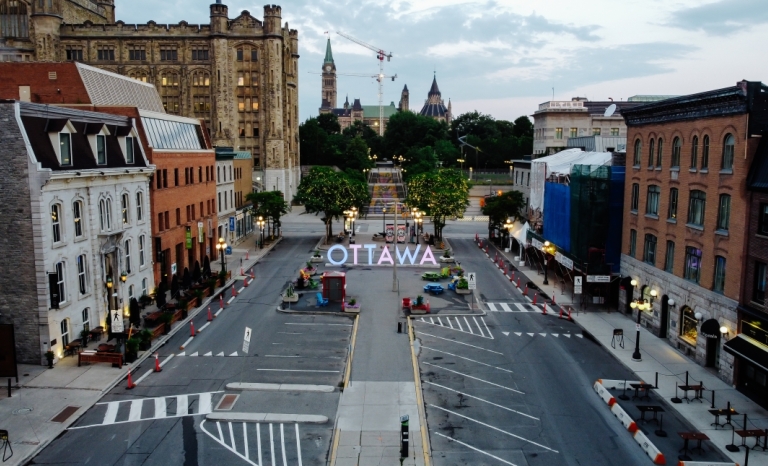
<point x="394" y="259"/>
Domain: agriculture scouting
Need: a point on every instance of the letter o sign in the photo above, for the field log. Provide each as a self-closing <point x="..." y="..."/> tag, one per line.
<point x="337" y="247"/>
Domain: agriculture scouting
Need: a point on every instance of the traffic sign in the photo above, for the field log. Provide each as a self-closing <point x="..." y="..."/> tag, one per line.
<point x="116" y="321"/>
<point x="247" y="340"/>
<point x="472" y="280"/>
<point x="577" y="284"/>
<point x="598" y="279"/>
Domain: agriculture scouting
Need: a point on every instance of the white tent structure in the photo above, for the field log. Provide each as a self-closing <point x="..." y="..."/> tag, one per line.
<point x="560" y="163"/>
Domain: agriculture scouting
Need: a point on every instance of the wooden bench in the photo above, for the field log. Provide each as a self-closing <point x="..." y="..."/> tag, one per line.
<point x="115" y="358"/>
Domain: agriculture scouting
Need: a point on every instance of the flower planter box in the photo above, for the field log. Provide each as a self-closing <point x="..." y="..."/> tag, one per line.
<point x="463" y="291"/>
<point x="447" y="260"/>
<point x="291" y="299"/>
<point x="316" y="259"/>
<point x="311" y="272"/>
<point x="419" y="310"/>
<point x="352" y="309"/>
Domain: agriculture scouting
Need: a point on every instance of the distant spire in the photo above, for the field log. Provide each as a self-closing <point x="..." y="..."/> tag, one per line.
<point x="434" y="90"/>
<point x="328" y="52"/>
<point x="405" y="88"/>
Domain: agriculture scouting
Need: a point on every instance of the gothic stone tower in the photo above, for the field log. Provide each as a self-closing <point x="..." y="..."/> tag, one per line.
<point x="46" y="20"/>
<point x="404" y="99"/>
<point x="329" y="98"/>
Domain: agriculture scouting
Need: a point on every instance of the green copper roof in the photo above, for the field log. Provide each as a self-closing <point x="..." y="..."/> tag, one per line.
<point x="242" y="155"/>
<point x="372" y="111"/>
<point x="328" y="53"/>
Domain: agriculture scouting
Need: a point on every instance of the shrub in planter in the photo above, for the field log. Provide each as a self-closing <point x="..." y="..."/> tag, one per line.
<point x="146" y="339"/>
<point x="166" y="320"/>
<point x="49" y="357"/>
<point x="447" y="253"/>
<point x="463" y="284"/>
<point x="353" y="302"/>
<point x="132" y="349"/>
<point x="419" y="300"/>
<point x="84" y="334"/>
<point x="199" y="294"/>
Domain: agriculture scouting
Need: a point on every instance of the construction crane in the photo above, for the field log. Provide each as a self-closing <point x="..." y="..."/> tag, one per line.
<point x="380" y="55"/>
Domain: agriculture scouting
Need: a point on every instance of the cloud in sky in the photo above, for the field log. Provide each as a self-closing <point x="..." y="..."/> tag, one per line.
<point x="500" y="56"/>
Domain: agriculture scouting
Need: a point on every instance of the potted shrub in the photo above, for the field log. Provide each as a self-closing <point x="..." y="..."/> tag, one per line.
<point x="84" y="334"/>
<point x="447" y="257"/>
<point x="316" y="257"/>
<point x="146" y="339"/>
<point x="310" y="269"/>
<point x="419" y="306"/>
<point x="166" y="320"/>
<point x="183" y="305"/>
<point x="222" y="278"/>
<point x="352" y="306"/>
<point x="199" y="294"/>
<point x="462" y="287"/>
<point x="290" y="295"/>
<point x="144" y="301"/>
<point x="49" y="357"/>
<point x="132" y="349"/>
<point x="211" y="286"/>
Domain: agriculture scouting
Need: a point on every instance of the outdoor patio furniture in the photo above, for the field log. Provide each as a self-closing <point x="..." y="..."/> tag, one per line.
<point x="321" y="302"/>
<point x="431" y="276"/>
<point x="435" y="288"/>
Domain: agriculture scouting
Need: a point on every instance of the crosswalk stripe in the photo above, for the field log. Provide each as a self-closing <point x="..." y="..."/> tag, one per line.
<point x="469" y="326"/>
<point x="135" y="413"/>
<point x="160" y="408"/>
<point x="479" y="324"/>
<point x="492" y="307"/>
<point x="183" y="353"/>
<point x="506" y="307"/>
<point x="521" y="307"/>
<point x="111" y="415"/>
<point x="205" y="403"/>
<point x="234" y="354"/>
<point x="194" y="354"/>
<point x="182" y="405"/>
<point x="220" y="354"/>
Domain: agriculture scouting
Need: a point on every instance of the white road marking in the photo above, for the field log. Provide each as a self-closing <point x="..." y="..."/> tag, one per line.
<point x="555" y="335"/>
<point x="240" y="290"/>
<point x="459" y="324"/>
<point x="232" y="436"/>
<point x="494" y="428"/>
<point x="579" y="336"/>
<point x="462" y="357"/>
<point x="522" y="308"/>
<point x="221" y="435"/>
<point x="258" y="439"/>
<point x="506" y="334"/>
<point x="468" y="326"/>
<point x="543" y="334"/>
<point x="506" y="307"/>
<point x="194" y="354"/>
<point x="530" y="334"/>
<point x="332" y="325"/>
<point x="476" y="378"/>
<point x="189" y="340"/>
<point x="449" y="323"/>
<point x="229" y="301"/>
<point x="291" y="333"/>
<point x="298" y="443"/>
<point x="482" y="319"/>
<point x="220" y="354"/>
<point x="146" y="374"/>
<point x="111" y="415"/>
<point x="218" y="312"/>
<point x="234" y="354"/>
<point x="296" y="370"/>
<point x="478" y="326"/>
<point x="480" y="333"/>
<point x="282" y="444"/>
<point x="432" y="320"/>
<point x="272" y="444"/>
<point x="183" y="353"/>
<point x="205" y="404"/>
<point x="160" y="408"/>
<point x="165" y="361"/>
<point x="245" y="440"/>
<point x="209" y="353"/>
<point x="567" y="335"/>
<point x="476" y="449"/>
<point x="459" y="342"/>
<point x="135" y="413"/>
<point x="441" y="321"/>
<point x="182" y="405"/>
<point x="278" y="356"/>
<point x="484" y="401"/>
<point x="221" y="442"/>
<point x="492" y="307"/>
<point x="203" y="327"/>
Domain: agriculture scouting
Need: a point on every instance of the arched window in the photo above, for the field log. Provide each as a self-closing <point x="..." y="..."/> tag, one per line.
<point x="61" y="282"/>
<point x="659" y="153"/>
<point x="105" y="214"/>
<point x="125" y="205"/>
<point x="677" y="146"/>
<point x="651" y="153"/>
<point x="724" y="212"/>
<point x="139" y="206"/>
<point x="14" y="20"/>
<point x="728" y="149"/>
<point x="638" y="152"/>
<point x="144" y="290"/>
<point x="56" y="223"/>
<point x="696" y="207"/>
<point x="77" y="216"/>
<point x="695" y="152"/>
<point x="705" y="153"/>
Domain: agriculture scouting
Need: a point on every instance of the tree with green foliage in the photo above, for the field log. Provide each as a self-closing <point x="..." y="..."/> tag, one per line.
<point x="329" y="123"/>
<point x="325" y="191"/>
<point x="271" y="206"/>
<point x="497" y="140"/>
<point x="356" y="154"/>
<point x="509" y="205"/>
<point x="441" y="194"/>
<point x="407" y="130"/>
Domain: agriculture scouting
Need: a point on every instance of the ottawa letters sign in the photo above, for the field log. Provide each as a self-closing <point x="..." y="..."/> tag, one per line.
<point x="402" y="258"/>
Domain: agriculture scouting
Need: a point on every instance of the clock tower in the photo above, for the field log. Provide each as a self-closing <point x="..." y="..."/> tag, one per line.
<point x="329" y="80"/>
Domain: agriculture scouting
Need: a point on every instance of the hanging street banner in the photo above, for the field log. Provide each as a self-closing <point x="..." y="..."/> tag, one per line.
<point x="564" y="261"/>
<point x="189" y="237"/>
<point x="200" y="233"/>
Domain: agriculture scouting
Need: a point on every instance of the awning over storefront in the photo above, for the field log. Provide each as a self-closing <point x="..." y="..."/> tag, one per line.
<point x="749" y="349"/>
<point x="710" y="329"/>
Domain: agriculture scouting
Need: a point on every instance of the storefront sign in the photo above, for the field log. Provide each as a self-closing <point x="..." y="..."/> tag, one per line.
<point x="402" y="255"/>
<point x="567" y="263"/>
<point x="536" y="243"/>
<point x="598" y="279"/>
<point x="188" y="236"/>
<point x="200" y="233"/>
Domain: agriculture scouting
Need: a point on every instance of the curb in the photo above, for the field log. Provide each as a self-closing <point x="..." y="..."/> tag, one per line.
<point x="425" y="441"/>
<point x="267" y="417"/>
<point x="280" y="387"/>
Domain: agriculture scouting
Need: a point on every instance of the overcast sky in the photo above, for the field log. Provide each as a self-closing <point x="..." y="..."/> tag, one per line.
<point x="504" y="57"/>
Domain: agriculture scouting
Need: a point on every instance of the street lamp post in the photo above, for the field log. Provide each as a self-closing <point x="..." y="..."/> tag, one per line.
<point x="461" y="161"/>
<point x="641" y="305"/>
<point x="547" y="245"/>
<point x="354" y="216"/>
<point x="508" y="225"/>
<point x="221" y="247"/>
<point x="384" y="223"/>
<point x="260" y="222"/>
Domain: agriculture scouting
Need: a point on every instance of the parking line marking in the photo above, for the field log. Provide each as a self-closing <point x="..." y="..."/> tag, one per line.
<point x="478" y="326"/>
<point x="486" y="326"/>
<point x="484" y="401"/>
<point x="462" y="357"/>
<point x="258" y="439"/>
<point x="476" y="378"/>
<point x="278" y="356"/>
<point x="296" y="370"/>
<point x="240" y="290"/>
<point x="298" y="443"/>
<point x="495" y="428"/>
<point x="282" y="444"/>
<point x="441" y="321"/>
<point x="221" y="435"/>
<point x="459" y="342"/>
<point x="232" y="436"/>
<point x="469" y="326"/>
<point x="291" y="333"/>
<point x="476" y="449"/>
<point x="449" y="322"/>
<point x="271" y="444"/>
<point x="459" y="324"/>
<point x="245" y="440"/>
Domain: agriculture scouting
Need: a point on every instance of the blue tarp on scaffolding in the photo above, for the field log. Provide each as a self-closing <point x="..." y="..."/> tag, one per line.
<point x="615" y="216"/>
<point x="557" y="215"/>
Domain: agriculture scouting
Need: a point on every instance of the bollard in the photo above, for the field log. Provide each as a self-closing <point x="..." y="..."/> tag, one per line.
<point x="399" y="327"/>
<point x="191" y="328"/>
<point x="518" y="285"/>
<point x="210" y="317"/>
<point x="544" y="309"/>
<point x="246" y="255"/>
<point x="526" y="287"/>
<point x="234" y="291"/>
<point x="221" y="301"/>
<point x="553" y="298"/>
<point x="404" y="436"/>
<point x="9" y="388"/>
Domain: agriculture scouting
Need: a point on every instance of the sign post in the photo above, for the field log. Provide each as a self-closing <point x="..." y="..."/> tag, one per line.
<point x="577" y="284"/>
<point x="247" y="340"/>
<point x="116" y="321"/>
<point x="472" y="285"/>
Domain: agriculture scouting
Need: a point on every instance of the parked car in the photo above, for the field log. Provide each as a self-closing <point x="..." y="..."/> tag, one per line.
<point x="435" y="288"/>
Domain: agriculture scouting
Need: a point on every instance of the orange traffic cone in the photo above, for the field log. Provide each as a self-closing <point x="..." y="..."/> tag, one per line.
<point x="535" y="295"/>
<point x="544" y="309"/>
<point x="253" y="275"/>
<point x="210" y="316"/>
<point x="561" y="314"/>
<point x="131" y="385"/>
<point x="241" y="272"/>
<point x="245" y="281"/>
<point x="512" y="277"/>
<point x="234" y="291"/>
<point x="157" y="364"/>
<point x="191" y="328"/>
<point x="246" y="255"/>
<point x="569" y="314"/>
<point x="221" y="301"/>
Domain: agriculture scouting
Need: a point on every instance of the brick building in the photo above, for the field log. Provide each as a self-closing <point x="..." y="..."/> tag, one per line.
<point x="243" y="187"/>
<point x="239" y="75"/>
<point x="686" y="214"/>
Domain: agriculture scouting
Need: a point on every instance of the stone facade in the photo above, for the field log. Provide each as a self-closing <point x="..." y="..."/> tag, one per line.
<point x="240" y="74"/>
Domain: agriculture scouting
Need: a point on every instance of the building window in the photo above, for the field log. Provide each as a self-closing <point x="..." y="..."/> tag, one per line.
<point x="77" y="215"/>
<point x="169" y="80"/>
<point x="705" y="153"/>
<point x="254" y="78"/>
<point x="255" y="105"/>
<point x="728" y="150"/>
<point x="574" y="132"/>
<point x="689" y="326"/>
<point x="632" y="242"/>
<point x="672" y="212"/>
<point x="652" y="203"/>
<point x="169" y="54"/>
<point x="200" y="53"/>
<point x="82" y="274"/>
<point x="635" y="197"/>
<point x="14" y="20"/>
<point x="139" y="206"/>
<point x="56" y="223"/>
<point x="649" y="254"/>
<point x="762" y="221"/>
<point x="614" y="131"/>
<point x="61" y="281"/>
<point x="86" y="319"/>
<point x="201" y="103"/>
<point x="64" y="332"/>
<point x="637" y="154"/>
<point x="660" y="153"/>
<point x="596" y="131"/>
<point x="241" y="79"/>
<point x="558" y="133"/>
<point x="254" y="55"/>
<point x="141" y="251"/>
<point x="651" y="153"/>
<point x="65" y="143"/>
<point x="105" y="214"/>
<point x="724" y="212"/>
<point x="171" y="104"/>
<point x="129" y="158"/>
<point x="131" y="293"/>
<point x="695" y="152"/>
<point x="144" y="288"/>
<point x="758" y="295"/>
<point x="101" y="149"/>
<point x="239" y="54"/>
<point x="201" y="80"/>
<point x="137" y="53"/>
<point x="692" y="269"/>
<point x="669" y="260"/>
<point x="128" y="256"/>
<point x="696" y="208"/>
<point x="241" y="104"/>
<point x="125" y="204"/>
<point x="719" y="285"/>
<point x="106" y="53"/>
<point x="74" y="53"/>
<point x="677" y="146"/>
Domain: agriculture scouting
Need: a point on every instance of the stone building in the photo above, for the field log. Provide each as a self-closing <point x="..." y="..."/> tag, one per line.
<point x="434" y="106"/>
<point x="225" y="193"/>
<point x="686" y="215"/>
<point x="239" y="75"/>
<point x="76" y="191"/>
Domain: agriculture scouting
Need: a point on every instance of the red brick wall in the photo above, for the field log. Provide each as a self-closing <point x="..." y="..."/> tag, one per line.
<point x="66" y="88"/>
<point x="757" y="248"/>
<point x="713" y="183"/>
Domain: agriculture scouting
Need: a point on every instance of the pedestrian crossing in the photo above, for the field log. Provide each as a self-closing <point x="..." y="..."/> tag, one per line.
<point x="258" y="444"/>
<point x="465" y="324"/>
<point x="512" y="307"/>
<point x="535" y="334"/>
<point x="207" y="354"/>
<point x="144" y="409"/>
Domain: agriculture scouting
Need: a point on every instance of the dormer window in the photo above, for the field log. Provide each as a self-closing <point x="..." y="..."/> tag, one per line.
<point x="60" y="133"/>
<point x="129" y="150"/>
<point x="97" y="138"/>
<point x="101" y="149"/>
<point x="65" y="149"/>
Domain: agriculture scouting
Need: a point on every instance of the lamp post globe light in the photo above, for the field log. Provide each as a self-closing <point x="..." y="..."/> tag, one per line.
<point x="544" y="248"/>
<point x="508" y="225"/>
<point x="354" y="217"/>
<point x="221" y="247"/>
<point x="640" y="305"/>
<point x="261" y="222"/>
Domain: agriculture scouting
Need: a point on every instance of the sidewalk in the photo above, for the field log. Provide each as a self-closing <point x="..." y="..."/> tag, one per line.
<point x="657" y="357"/>
<point x="47" y="401"/>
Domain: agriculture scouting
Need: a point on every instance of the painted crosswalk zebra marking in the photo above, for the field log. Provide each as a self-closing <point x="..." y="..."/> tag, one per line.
<point x="125" y="411"/>
<point x="556" y="335"/>
<point x="244" y="440"/>
<point x="208" y="354"/>
<point x="512" y="307"/>
<point x="465" y="324"/>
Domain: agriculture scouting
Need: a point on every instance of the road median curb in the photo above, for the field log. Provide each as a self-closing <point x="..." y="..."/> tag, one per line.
<point x="280" y="387"/>
<point x="267" y="418"/>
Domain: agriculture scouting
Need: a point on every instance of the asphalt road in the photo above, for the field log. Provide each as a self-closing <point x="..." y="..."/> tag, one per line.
<point x="161" y="421"/>
<point x="515" y="387"/>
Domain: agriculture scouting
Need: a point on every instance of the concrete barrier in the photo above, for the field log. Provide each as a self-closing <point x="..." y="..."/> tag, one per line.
<point x="649" y="448"/>
<point x="604" y="394"/>
<point x="624" y="418"/>
<point x="611" y="384"/>
<point x="704" y="463"/>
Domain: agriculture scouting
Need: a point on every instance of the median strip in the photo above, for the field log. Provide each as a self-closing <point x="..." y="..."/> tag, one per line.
<point x="267" y="418"/>
<point x="280" y="387"/>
